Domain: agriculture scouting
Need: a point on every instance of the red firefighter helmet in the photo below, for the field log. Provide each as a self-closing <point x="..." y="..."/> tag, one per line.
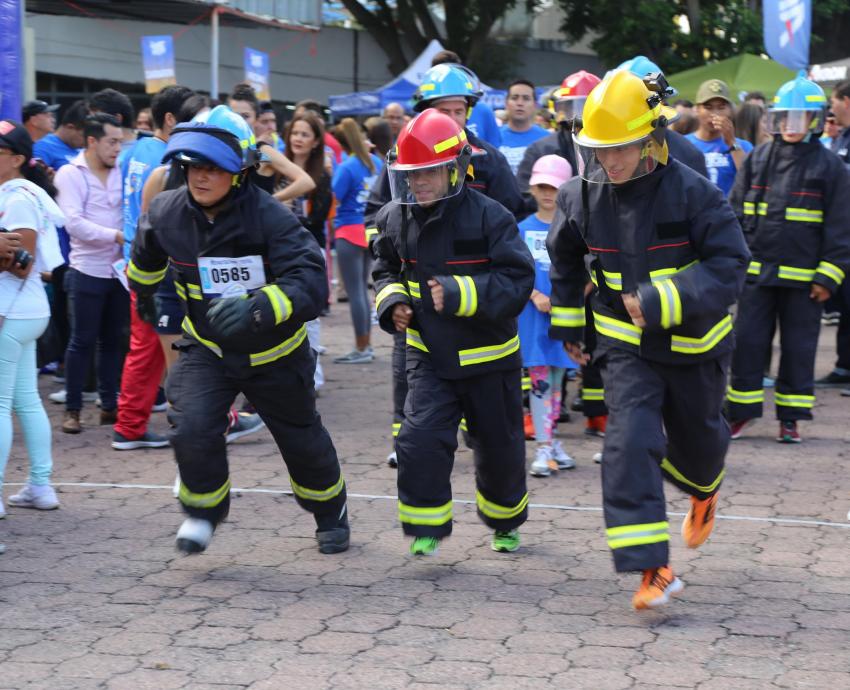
<point x="430" y="159"/>
<point x="567" y="102"/>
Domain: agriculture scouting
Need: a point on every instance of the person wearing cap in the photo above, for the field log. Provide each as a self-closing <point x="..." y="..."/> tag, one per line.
<point x="62" y="146"/>
<point x="715" y="137"/>
<point x="452" y="274"/>
<point x="545" y="359"/>
<point x="39" y="118"/>
<point x="791" y="198"/>
<point x="249" y="276"/>
<point x="668" y="259"/>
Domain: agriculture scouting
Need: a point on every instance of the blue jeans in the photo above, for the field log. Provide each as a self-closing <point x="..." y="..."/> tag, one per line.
<point x="100" y="308"/>
<point x="19" y="392"/>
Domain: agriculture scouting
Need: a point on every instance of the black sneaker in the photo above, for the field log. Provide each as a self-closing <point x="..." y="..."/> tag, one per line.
<point x="149" y="440"/>
<point x="833" y="378"/>
<point x="333" y="532"/>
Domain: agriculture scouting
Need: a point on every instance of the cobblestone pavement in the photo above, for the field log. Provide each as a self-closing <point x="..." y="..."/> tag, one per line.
<point x="94" y="596"/>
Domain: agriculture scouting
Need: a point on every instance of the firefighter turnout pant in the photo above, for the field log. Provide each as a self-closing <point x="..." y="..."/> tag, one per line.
<point x="646" y="399"/>
<point x="492" y="406"/>
<point x="799" y="327"/>
<point x="201" y="388"/>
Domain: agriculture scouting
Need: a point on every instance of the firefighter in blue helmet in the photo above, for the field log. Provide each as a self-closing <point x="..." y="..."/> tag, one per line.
<point x="791" y="198"/>
<point x="249" y="277"/>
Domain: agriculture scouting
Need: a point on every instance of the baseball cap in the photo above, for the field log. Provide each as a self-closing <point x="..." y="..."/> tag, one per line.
<point x="32" y="108"/>
<point x="14" y="136"/>
<point x="713" y="88"/>
<point x="552" y="170"/>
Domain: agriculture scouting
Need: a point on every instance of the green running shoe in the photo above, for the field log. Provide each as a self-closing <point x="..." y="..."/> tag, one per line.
<point x="424" y="546"/>
<point x="505" y="542"/>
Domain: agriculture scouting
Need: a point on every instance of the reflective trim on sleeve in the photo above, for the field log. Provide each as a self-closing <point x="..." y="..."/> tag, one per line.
<point x="281" y="304"/>
<point x="497" y="512"/>
<point x="671" y="303"/>
<point x="387" y="290"/>
<point x="662" y="273"/>
<point x="804" y="275"/>
<point x="287" y="347"/>
<point x="189" y="328"/>
<point x="697" y="346"/>
<point x="745" y="397"/>
<point x="180" y="290"/>
<point x="568" y="317"/>
<point x="619" y="330"/>
<point x="433" y="517"/>
<point x="803" y="401"/>
<point x="370" y="233"/>
<point x="396" y="428"/>
<point x="638" y="535"/>
<point x="754" y="268"/>
<point x="804" y="215"/>
<point x="831" y="271"/>
<point x="414" y="339"/>
<point x="413" y="289"/>
<point x="613" y="280"/>
<point x="462" y="426"/>
<point x="320" y="495"/>
<point x="208" y="500"/>
<point x="195" y="291"/>
<point x="526" y="383"/>
<point x="488" y="353"/>
<point x="668" y="467"/>
<point x="593" y="394"/>
<point x="750" y="208"/>
<point x="137" y="275"/>
<point x="468" y="296"/>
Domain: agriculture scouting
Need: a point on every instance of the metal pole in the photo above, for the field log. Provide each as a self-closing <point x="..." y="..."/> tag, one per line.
<point x="214" y="54"/>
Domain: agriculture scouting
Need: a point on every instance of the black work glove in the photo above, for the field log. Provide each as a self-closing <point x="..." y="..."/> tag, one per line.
<point x="146" y="308"/>
<point x="233" y="315"/>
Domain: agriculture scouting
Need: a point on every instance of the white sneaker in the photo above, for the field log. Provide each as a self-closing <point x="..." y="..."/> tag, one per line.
<point x="194" y="535"/>
<point x="39" y="497"/>
<point x="2" y="509"/>
<point x="562" y="458"/>
<point x="357" y="357"/>
<point x="176" y="488"/>
<point x="59" y="397"/>
<point x="392" y="459"/>
<point x="597" y="458"/>
<point x="543" y="464"/>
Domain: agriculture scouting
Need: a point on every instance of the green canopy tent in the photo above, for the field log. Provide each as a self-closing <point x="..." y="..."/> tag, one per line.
<point x="742" y="73"/>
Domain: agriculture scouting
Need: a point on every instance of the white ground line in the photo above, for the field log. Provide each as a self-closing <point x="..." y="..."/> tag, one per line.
<point x="386" y="497"/>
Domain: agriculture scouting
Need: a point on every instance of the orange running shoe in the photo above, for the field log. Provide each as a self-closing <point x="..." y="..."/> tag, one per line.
<point x="528" y="424"/>
<point x="658" y="585"/>
<point x="699" y="521"/>
<point x="595" y="426"/>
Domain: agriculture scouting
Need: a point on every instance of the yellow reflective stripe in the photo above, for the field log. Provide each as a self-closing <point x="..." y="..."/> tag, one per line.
<point x="497" y="512"/>
<point x="750" y="208"/>
<point x="815" y="98"/>
<point x="805" y="275"/>
<point x="807" y="215"/>
<point x="643" y="119"/>
<point x="526" y="383"/>
<point x="436" y="516"/>
<point x="831" y="271"/>
<point x="662" y="273"/>
<point x="462" y="426"/>
<point x="637" y="535"/>
<point x="671" y="303"/>
<point x="189" y="327"/>
<point x="396" y="428"/>
<point x="414" y="339"/>
<point x="137" y="275"/>
<point x="371" y="232"/>
<point x="613" y="280"/>
<point x="180" y="290"/>
<point x="468" y="296"/>
<point x="281" y="304"/>
<point x="744" y="397"/>
<point x="619" y="330"/>
<point x="387" y="290"/>
<point x="754" y="268"/>
<point x="593" y="278"/>
<point x="804" y="401"/>
<point x="287" y="347"/>
<point x="195" y="291"/>
<point x="317" y="494"/>
<point x="209" y="500"/>
<point x="668" y="467"/>
<point x="427" y="87"/>
<point x="488" y="353"/>
<point x="441" y="146"/>
<point x="696" y="346"/>
<point x="568" y="317"/>
<point x="413" y="289"/>
<point x="593" y="394"/>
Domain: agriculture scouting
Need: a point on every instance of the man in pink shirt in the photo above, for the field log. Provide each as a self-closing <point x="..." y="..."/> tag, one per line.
<point x="90" y="196"/>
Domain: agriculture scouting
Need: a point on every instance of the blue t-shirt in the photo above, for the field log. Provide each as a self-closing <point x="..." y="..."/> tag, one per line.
<point x="482" y="123"/>
<point x="537" y="348"/>
<point x="53" y="151"/>
<point x="351" y="184"/>
<point x="721" y="167"/>
<point x="136" y="167"/>
<point x="515" y="143"/>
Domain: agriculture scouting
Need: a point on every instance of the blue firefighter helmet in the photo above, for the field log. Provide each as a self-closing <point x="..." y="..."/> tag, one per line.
<point x="219" y="137"/>
<point x="799" y="107"/>
<point x="446" y="81"/>
<point x="643" y="67"/>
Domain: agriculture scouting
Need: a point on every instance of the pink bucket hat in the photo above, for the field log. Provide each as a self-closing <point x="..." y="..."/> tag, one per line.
<point x="552" y="170"/>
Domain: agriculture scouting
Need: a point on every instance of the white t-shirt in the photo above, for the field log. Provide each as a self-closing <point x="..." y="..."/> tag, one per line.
<point x="20" y="210"/>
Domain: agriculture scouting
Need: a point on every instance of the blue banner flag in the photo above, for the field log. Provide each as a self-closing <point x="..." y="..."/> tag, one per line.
<point x="158" y="62"/>
<point x="11" y="58"/>
<point x="257" y="72"/>
<point x="787" y="31"/>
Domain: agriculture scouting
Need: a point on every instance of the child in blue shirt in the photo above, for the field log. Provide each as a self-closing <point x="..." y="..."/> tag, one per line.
<point x="544" y="358"/>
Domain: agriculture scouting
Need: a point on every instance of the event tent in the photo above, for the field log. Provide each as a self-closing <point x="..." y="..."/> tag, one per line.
<point x="742" y="73"/>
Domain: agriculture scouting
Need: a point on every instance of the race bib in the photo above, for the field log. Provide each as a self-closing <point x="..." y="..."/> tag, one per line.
<point x="536" y="241"/>
<point x="230" y="276"/>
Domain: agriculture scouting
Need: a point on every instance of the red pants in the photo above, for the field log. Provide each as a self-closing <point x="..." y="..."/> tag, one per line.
<point x="142" y="375"/>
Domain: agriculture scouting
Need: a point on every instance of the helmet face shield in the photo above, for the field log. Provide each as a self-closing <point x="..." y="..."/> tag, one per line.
<point x="427" y="184"/>
<point x="569" y="108"/>
<point x="795" y="122"/>
<point x="616" y="164"/>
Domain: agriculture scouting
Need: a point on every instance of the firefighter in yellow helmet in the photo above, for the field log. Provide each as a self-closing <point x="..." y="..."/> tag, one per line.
<point x="667" y="258"/>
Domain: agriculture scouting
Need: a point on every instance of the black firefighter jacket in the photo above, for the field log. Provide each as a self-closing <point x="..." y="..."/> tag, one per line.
<point x="670" y="238"/>
<point x="471" y="245"/>
<point x="793" y="201"/>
